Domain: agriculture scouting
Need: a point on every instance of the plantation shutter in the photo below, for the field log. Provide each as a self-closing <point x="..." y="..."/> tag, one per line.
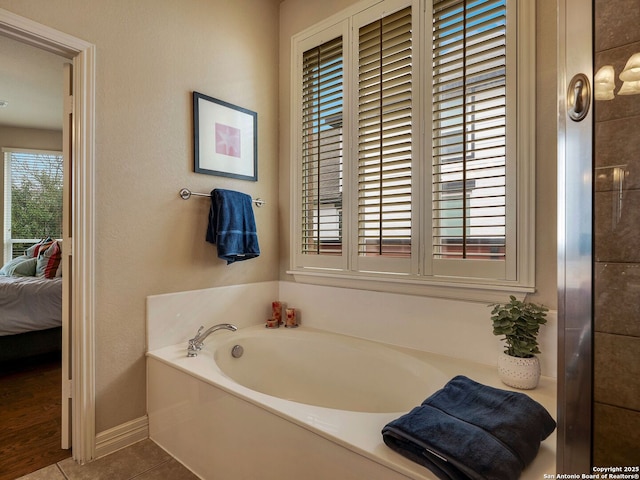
<point x="469" y="129"/>
<point x="33" y="198"/>
<point x="322" y="157"/>
<point x="385" y="136"/>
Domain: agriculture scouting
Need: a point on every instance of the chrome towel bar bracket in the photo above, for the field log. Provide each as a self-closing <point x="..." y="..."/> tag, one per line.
<point x="185" y="194"/>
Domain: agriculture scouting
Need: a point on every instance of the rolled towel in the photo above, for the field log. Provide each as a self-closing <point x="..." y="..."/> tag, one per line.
<point x="468" y="430"/>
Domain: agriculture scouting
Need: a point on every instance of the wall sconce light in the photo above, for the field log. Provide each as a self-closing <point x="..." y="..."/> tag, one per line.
<point x="604" y="83"/>
<point x="629" y="88"/>
<point x="604" y="80"/>
<point x="631" y="72"/>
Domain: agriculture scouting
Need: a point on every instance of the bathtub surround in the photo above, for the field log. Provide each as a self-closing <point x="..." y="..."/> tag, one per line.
<point x="186" y="409"/>
<point x="176" y="317"/>
<point x="452" y="328"/>
<point x="211" y="414"/>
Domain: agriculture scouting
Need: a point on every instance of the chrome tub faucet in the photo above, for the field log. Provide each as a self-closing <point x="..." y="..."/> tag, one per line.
<point x="196" y="343"/>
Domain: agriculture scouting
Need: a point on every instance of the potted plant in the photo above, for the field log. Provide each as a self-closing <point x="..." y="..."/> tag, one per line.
<point x="519" y="322"/>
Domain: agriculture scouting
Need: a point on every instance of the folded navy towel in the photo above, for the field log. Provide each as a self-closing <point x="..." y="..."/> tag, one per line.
<point x="232" y="226"/>
<point x="472" y="431"/>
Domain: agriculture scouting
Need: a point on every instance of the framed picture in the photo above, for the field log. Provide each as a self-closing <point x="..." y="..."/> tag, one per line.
<point x="225" y="139"/>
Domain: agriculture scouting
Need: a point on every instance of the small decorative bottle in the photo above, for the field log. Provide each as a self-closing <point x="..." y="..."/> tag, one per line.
<point x="276" y="311"/>
<point x="291" y="320"/>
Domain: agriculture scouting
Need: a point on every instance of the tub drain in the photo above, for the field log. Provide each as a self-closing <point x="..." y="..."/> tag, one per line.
<point x="237" y="351"/>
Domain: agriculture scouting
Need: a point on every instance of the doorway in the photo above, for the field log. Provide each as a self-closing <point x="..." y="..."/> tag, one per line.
<point x="32" y="87"/>
<point x="78" y="337"/>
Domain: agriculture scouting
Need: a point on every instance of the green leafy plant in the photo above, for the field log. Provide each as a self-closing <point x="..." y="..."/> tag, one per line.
<point x="519" y="322"/>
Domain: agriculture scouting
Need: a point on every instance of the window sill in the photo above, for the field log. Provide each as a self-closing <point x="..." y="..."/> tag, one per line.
<point x="486" y="292"/>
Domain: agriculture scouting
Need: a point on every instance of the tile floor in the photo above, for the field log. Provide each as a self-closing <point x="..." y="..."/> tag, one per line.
<point x="141" y="461"/>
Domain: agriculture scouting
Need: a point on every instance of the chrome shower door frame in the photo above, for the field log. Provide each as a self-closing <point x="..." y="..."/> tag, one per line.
<point x="575" y="244"/>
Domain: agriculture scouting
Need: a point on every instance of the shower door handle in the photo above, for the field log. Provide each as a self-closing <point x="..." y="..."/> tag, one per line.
<point x="578" y="97"/>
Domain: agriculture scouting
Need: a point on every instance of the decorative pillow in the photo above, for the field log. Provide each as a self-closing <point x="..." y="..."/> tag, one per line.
<point x="41" y="246"/>
<point x="21" y="266"/>
<point x="26" y="268"/>
<point x="48" y="261"/>
<point x="11" y="264"/>
<point x="59" y="269"/>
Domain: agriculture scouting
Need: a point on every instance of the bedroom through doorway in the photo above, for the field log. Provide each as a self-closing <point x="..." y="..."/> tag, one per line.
<point x="78" y="382"/>
<point x="31" y="285"/>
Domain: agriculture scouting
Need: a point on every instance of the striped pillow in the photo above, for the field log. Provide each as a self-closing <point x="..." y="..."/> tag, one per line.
<point x="34" y="250"/>
<point x="48" y="261"/>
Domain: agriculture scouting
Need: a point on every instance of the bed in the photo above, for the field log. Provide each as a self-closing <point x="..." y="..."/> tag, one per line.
<point x="30" y="310"/>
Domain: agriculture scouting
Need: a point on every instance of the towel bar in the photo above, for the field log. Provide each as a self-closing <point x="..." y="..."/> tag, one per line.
<point x="185" y="194"/>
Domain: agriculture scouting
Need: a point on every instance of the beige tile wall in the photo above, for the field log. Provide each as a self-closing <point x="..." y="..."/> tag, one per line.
<point x="617" y="234"/>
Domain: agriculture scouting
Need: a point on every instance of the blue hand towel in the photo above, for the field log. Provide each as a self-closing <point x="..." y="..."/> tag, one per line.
<point x="232" y="226"/>
<point x="468" y="430"/>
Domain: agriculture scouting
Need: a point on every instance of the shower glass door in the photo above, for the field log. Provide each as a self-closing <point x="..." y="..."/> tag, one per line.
<point x="616" y="381"/>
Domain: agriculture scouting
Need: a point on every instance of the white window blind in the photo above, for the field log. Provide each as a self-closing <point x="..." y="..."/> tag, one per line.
<point x="385" y="136"/>
<point x="322" y="157"/>
<point x="469" y="129"/>
<point x="33" y="198"/>
<point x="415" y="127"/>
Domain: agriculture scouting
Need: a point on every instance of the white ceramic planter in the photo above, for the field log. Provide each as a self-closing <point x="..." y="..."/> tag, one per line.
<point x="523" y="373"/>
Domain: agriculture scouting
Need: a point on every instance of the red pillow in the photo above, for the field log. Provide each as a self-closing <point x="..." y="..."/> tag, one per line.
<point x="48" y="261"/>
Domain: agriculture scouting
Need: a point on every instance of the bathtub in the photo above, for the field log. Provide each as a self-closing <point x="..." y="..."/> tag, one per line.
<point x="300" y="404"/>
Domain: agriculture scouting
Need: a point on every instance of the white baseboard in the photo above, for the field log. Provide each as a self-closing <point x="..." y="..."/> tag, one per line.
<point x="121" y="436"/>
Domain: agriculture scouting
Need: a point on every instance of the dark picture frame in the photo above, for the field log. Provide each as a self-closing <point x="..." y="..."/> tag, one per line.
<point x="225" y="139"/>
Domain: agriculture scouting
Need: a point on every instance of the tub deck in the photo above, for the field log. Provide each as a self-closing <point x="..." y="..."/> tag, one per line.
<point x="357" y="432"/>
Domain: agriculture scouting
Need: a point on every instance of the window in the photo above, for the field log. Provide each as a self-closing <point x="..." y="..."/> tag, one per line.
<point x="32" y="198"/>
<point x="322" y="149"/>
<point x="412" y="146"/>
<point x="385" y="136"/>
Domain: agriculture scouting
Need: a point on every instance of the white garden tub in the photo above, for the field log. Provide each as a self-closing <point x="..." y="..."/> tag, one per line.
<point x="300" y="404"/>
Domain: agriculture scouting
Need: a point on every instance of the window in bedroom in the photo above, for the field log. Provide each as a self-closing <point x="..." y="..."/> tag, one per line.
<point x="32" y="198"/>
<point x="422" y="172"/>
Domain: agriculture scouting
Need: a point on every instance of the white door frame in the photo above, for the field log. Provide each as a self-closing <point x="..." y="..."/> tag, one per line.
<point x="82" y="210"/>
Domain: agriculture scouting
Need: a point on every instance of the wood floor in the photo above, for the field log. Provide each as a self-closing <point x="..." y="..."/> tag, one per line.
<point x="30" y="424"/>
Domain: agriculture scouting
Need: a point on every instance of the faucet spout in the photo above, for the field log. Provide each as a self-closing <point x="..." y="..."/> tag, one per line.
<point x="197" y="342"/>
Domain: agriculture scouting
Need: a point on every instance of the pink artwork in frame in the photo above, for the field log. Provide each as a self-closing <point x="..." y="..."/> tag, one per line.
<point x="225" y="139"/>
<point x="228" y="140"/>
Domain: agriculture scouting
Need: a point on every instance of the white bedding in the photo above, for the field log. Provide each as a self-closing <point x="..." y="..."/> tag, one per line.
<point x="29" y="303"/>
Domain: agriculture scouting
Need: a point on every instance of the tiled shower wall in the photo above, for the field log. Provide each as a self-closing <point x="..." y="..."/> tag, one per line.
<point x="617" y="244"/>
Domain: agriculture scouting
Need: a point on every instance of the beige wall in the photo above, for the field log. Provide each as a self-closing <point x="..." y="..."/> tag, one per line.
<point x="14" y="137"/>
<point x="297" y="15"/>
<point x="151" y="54"/>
